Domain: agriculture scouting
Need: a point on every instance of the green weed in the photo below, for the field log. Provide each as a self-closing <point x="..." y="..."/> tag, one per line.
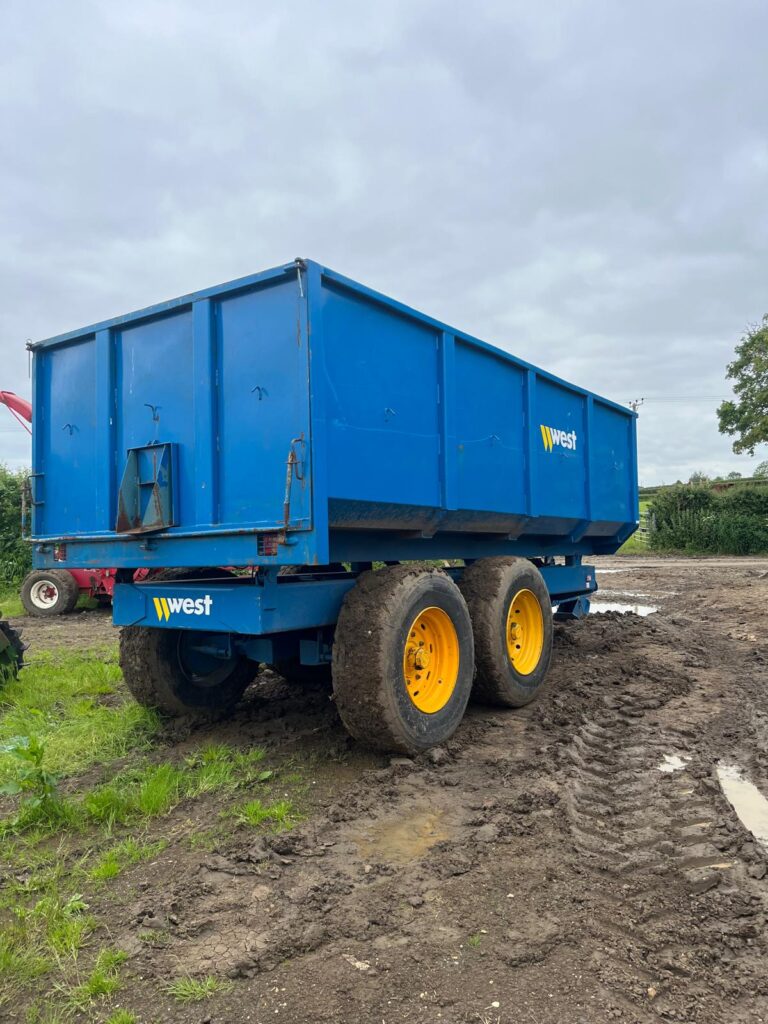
<point x="20" y="963"/>
<point x="43" y="1012"/>
<point x="208" y="840"/>
<point x="156" y="789"/>
<point x="63" y="922"/>
<point x="253" y="813"/>
<point x="219" y="766"/>
<point x="55" y="701"/>
<point x="37" y="938"/>
<point x="37" y="787"/>
<point x="474" y="940"/>
<point x="137" y="793"/>
<point x="122" y="1017"/>
<point x="190" y="990"/>
<point x="122" y="855"/>
<point x="103" y="980"/>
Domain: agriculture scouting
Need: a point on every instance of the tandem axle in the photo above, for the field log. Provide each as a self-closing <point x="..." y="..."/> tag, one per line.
<point x="269" y="616"/>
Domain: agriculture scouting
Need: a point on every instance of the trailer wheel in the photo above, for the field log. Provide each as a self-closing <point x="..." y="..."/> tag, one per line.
<point x="163" y="669"/>
<point x="403" y="658"/>
<point x="511" y="615"/>
<point x="49" y="592"/>
<point x="291" y="669"/>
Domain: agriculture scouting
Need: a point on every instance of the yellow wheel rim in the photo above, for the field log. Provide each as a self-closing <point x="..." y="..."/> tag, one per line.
<point x="525" y="632"/>
<point x="431" y="660"/>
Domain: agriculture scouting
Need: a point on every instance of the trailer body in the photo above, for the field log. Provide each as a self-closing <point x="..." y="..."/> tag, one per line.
<point x="296" y="417"/>
<point x="302" y="428"/>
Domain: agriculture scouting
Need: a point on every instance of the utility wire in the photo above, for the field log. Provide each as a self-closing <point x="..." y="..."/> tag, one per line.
<point x="635" y="403"/>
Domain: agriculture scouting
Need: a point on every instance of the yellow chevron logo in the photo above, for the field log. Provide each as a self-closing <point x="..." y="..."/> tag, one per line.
<point x="167" y="606"/>
<point x="552" y="436"/>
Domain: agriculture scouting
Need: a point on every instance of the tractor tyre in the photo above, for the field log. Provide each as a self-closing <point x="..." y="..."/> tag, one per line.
<point x="403" y="658"/>
<point x="11" y="651"/>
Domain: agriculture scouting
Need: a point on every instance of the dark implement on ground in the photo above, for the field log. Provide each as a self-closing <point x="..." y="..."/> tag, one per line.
<point x="11" y="649"/>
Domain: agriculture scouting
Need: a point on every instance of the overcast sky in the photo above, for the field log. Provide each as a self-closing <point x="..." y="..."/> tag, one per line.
<point x="584" y="184"/>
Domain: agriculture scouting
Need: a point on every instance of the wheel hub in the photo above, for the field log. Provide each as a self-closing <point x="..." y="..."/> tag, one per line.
<point x="419" y="657"/>
<point x="202" y="661"/>
<point x="525" y="632"/>
<point x="431" y="660"/>
<point x="44" y="594"/>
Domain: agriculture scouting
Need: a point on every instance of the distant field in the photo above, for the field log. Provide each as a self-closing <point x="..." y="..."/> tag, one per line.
<point x="637" y="542"/>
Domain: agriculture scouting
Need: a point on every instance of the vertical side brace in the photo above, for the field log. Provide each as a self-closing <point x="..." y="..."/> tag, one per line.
<point x="205" y="404"/>
<point x="105" y="427"/>
<point x="446" y="376"/>
<point x="311" y="309"/>
<point x="587" y="455"/>
<point x="530" y="427"/>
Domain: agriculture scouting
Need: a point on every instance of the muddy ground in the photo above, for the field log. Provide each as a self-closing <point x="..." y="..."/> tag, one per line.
<point x="540" y="868"/>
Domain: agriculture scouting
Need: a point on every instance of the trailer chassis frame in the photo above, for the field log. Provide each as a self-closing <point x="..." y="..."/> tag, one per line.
<point x="268" y="617"/>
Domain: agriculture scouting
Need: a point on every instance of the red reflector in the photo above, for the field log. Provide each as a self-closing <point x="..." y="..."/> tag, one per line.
<point x="60" y="552"/>
<point x="268" y="543"/>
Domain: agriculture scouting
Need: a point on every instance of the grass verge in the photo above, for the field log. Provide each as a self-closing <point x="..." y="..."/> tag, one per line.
<point x="64" y="840"/>
<point x="72" y="705"/>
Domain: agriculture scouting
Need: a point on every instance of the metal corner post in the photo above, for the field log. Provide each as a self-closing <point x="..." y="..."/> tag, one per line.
<point x="35" y="517"/>
<point x="318" y="449"/>
<point x="529" y="405"/>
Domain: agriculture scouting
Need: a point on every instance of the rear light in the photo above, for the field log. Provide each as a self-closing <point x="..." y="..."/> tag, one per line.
<point x="267" y="543"/>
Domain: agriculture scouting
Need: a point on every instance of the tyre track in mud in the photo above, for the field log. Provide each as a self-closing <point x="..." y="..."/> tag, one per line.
<point x="671" y="902"/>
<point x="331" y="893"/>
<point x="541" y="861"/>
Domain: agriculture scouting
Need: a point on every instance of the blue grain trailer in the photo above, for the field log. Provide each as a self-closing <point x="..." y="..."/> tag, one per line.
<point x="327" y="481"/>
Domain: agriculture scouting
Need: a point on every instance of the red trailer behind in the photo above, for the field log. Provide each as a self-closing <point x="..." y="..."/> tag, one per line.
<point x="55" y="591"/>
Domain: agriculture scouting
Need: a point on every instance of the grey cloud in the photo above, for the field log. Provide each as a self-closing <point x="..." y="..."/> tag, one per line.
<point x="584" y="183"/>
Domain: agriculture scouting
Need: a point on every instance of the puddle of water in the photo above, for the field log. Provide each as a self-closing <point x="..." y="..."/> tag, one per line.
<point x="637" y="593"/>
<point x="673" y="763"/>
<point x="746" y="799"/>
<point x="404" y="839"/>
<point x="623" y="593"/>
<point x="617" y="606"/>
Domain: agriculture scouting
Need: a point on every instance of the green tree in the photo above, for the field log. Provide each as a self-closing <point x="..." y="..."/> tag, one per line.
<point x="15" y="554"/>
<point x="698" y="478"/>
<point x="761" y="470"/>
<point x="746" y="418"/>
<point x="733" y="475"/>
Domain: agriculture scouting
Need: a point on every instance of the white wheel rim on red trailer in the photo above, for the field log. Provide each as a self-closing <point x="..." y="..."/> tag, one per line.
<point x="44" y="594"/>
